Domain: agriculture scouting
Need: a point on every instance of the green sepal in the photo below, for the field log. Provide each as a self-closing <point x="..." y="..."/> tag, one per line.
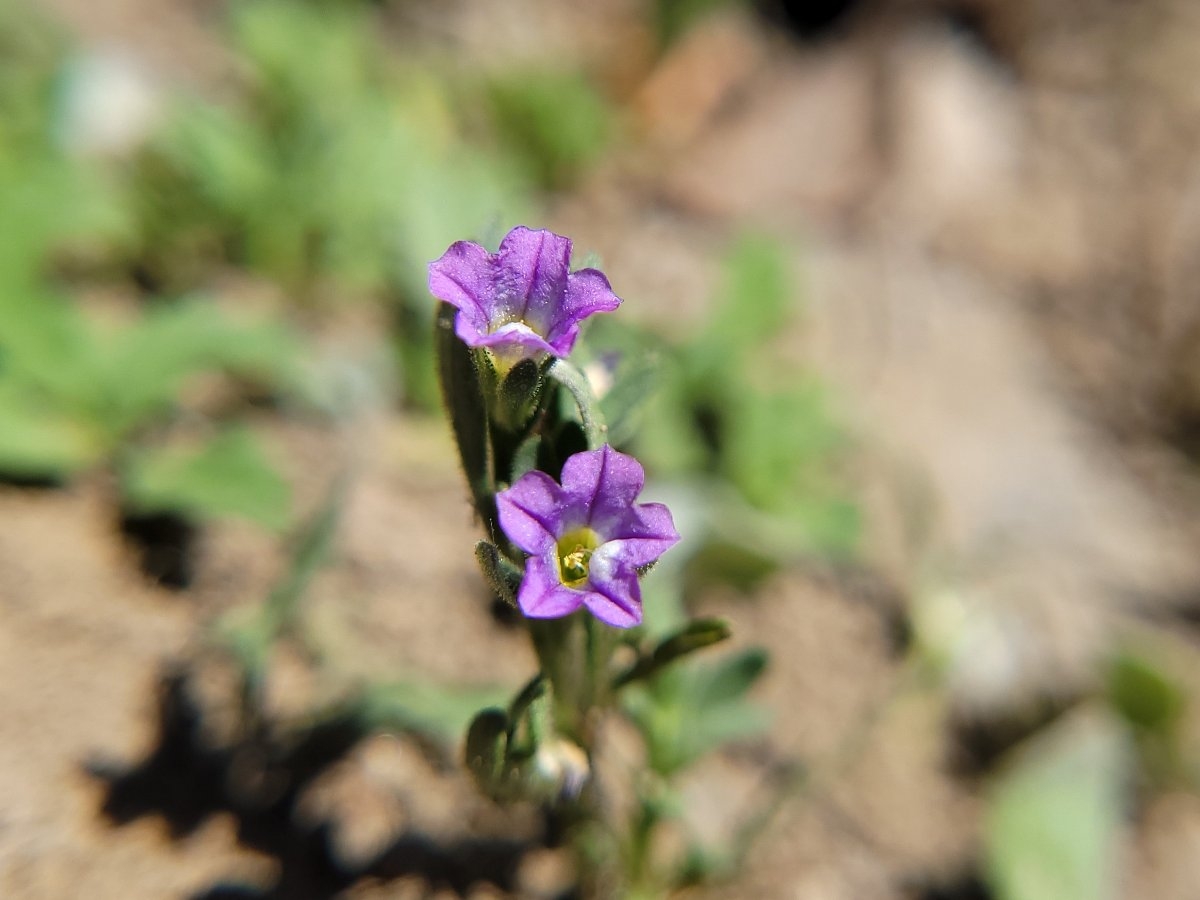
<point x="486" y="750"/>
<point x="694" y="636"/>
<point x="518" y="394"/>
<point x="525" y="457"/>
<point x="501" y="575"/>
<point x="462" y="393"/>
<point x="576" y="384"/>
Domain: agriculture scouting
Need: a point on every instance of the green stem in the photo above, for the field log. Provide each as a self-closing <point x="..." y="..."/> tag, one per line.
<point x="641" y="834"/>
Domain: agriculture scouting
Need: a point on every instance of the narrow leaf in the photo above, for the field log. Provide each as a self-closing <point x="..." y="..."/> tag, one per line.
<point x="695" y="636"/>
<point x="730" y="678"/>
<point x="463" y="396"/>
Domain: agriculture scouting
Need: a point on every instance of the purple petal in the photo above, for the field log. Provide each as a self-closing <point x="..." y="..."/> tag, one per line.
<point x="532" y="275"/>
<point x="465" y="277"/>
<point x="588" y="292"/>
<point x="605" y="483"/>
<point x="542" y="595"/>
<point x="531" y="512"/>
<point x="647" y="533"/>
<point x="615" y="596"/>
<point x="512" y="335"/>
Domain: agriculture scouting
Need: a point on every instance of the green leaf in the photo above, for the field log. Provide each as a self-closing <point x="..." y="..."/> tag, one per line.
<point x="249" y="634"/>
<point x="439" y="711"/>
<point x="226" y="158"/>
<point x="47" y="347"/>
<point x="729" y="679"/>
<point x="148" y="362"/>
<point x="694" y="636"/>
<point x="229" y="476"/>
<point x="556" y="121"/>
<point x="463" y="395"/>
<point x="714" y="727"/>
<point x="39" y="441"/>
<point x="690" y="710"/>
<point x="752" y="307"/>
<point x="624" y="405"/>
<point x="1144" y="695"/>
<point x="738" y="563"/>
<point x="1053" y="819"/>
<point x="310" y="548"/>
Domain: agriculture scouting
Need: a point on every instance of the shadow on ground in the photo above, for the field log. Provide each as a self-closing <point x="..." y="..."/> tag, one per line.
<point x="260" y="783"/>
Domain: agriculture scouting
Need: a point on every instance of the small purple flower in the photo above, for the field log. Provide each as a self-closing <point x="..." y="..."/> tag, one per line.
<point x="523" y="300"/>
<point x="586" y="538"/>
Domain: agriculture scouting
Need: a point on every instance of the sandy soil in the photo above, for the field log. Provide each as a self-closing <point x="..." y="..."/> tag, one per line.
<point x="996" y="250"/>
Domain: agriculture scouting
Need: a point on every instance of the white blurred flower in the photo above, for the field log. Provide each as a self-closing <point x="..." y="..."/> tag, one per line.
<point x="109" y="105"/>
<point x="981" y="648"/>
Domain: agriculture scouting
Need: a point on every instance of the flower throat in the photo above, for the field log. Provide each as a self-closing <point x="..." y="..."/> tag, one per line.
<point x="574" y="555"/>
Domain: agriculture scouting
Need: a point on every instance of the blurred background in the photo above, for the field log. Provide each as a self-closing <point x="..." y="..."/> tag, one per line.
<point x="913" y="284"/>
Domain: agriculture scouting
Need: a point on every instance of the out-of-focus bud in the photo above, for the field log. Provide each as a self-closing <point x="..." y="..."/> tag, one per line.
<point x="109" y="105"/>
<point x="562" y="767"/>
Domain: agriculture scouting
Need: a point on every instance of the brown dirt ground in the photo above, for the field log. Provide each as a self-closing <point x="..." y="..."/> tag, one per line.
<point x="997" y="258"/>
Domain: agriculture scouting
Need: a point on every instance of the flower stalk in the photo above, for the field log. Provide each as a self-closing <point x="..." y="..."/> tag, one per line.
<point x="567" y="539"/>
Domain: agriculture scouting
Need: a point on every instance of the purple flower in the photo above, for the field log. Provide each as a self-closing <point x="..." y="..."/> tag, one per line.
<point x="587" y="538"/>
<point x="523" y="300"/>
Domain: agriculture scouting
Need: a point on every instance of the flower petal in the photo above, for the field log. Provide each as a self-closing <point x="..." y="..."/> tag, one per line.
<point x="542" y="595"/>
<point x="645" y="535"/>
<point x="512" y="335"/>
<point x="532" y="276"/>
<point x="615" y="596"/>
<point x="588" y="292"/>
<point x="465" y="277"/>
<point x="605" y="483"/>
<point x="531" y="512"/>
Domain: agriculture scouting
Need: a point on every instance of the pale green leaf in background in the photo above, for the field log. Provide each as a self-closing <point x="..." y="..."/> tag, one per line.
<point x="1054" y="818"/>
<point x="229" y="476"/>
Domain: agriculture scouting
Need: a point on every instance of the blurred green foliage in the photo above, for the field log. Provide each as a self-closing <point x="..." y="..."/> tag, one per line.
<point x="745" y="427"/>
<point x="690" y="710"/>
<point x="229" y="475"/>
<point x="555" y="122"/>
<point x="1146" y="696"/>
<point x="1054" y="816"/>
<point x="78" y="389"/>
<point x="672" y="18"/>
<point x="337" y="167"/>
<point x="333" y="168"/>
<point x="251" y="635"/>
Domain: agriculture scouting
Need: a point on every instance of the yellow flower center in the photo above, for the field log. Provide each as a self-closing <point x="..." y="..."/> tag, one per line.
<point x="575" y="550"/>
